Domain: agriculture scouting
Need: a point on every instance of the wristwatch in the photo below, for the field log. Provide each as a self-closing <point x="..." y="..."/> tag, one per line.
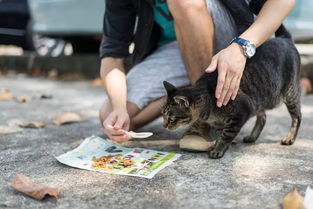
<point x="248" y="47"/>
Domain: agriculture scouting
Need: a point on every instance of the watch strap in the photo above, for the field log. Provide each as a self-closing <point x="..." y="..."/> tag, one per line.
<point x="240" y="41"/>
<point x="247" y="46"/>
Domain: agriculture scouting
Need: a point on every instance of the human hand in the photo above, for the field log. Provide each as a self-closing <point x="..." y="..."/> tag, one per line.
<point x="119" y="120"/>
<point x="230" y="63"/>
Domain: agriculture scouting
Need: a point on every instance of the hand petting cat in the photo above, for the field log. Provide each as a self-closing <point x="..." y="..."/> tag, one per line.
<point x="230" y="63"/>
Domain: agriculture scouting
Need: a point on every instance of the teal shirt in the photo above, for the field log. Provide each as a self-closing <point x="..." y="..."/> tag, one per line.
<point x="164" y="19"/>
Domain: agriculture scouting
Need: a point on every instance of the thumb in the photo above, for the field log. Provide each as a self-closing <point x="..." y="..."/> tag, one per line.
<point x="212" y="67"/>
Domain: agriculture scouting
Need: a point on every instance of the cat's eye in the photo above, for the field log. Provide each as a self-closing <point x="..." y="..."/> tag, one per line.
<point x="172" y="119"/>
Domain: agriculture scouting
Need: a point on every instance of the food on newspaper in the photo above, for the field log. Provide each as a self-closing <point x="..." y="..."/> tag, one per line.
<point x="98" y="154"/>
<point x="111" y="161"/>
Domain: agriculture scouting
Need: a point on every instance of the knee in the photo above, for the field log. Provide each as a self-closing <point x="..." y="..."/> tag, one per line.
<point x="180" y="7"/>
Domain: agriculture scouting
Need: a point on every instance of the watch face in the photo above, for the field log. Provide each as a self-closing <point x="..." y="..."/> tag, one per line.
<point x="250" y="50"/>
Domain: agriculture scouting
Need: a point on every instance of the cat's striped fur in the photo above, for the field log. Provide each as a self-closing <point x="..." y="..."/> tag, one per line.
<point x="270" y="78"/>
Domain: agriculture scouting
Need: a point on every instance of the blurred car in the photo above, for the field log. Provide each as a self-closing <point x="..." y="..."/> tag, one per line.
<point x="57" y="23"/>
<point x="15" y="23"/>
<point x="78" y="22"/>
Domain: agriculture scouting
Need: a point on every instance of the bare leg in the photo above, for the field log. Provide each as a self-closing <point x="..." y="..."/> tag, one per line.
<point x="195" y="34"/>
<point x="148" y="114"/>
<point x="138" y="118"/>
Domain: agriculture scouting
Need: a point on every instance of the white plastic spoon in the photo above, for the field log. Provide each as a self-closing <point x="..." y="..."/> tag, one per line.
<point x="140" y="135"/>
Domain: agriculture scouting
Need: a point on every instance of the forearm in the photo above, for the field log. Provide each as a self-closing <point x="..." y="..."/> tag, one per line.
<point x="267" y="22"/>
<point x="114" y="80"/>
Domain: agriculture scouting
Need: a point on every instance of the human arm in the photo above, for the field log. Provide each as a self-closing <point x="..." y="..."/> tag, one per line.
<point x="118" y="27"/>
<point x="114" y="82"/>
<point x="231" y="61"/>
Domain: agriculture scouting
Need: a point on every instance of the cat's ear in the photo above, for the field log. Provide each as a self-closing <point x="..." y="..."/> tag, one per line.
<point x="169" y="87"/>
<point x="181" y="100"/>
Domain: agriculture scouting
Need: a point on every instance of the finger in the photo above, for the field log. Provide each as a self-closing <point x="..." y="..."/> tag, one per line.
<point x="110" y="120"/>
<point x="231" y="90"/>
<point x="233" y="97"/>
<point x="116" y="139"/>
<point x="126" y="126"/>
<point x="118" y="134"/>
<point x="226" y="86"/>
<point x="126" y="138"/>
<point x="111" y="131"/>
<point x="119" y="123"/>
<point x="220" y="83"/>
<point x="212" y="67"/>
<point x="107" y="126"/>
<point x="120" y="139"/>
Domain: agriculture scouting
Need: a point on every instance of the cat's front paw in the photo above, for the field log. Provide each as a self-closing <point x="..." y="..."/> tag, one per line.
<point x="215" y="154"/>
<point x="287" y="141"/>
<point x="218" y="150"/>
<point x="249" y="139"/>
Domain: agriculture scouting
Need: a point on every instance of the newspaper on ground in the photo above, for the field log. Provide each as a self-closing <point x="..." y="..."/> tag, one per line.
<point x="98" y="154"/>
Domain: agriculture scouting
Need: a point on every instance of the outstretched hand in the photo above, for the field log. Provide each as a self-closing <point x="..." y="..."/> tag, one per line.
<point x="119" y="120"/>
<point x="230" y="63"/>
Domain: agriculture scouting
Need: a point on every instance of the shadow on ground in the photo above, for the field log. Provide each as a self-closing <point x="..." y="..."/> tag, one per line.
<point x="249" y="176"/>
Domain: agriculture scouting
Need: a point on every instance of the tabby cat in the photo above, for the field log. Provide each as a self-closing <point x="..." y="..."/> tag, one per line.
<point x="270" y="77"/>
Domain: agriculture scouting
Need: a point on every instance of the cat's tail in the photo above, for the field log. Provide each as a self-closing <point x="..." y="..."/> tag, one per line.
<point x="283" y="32"/>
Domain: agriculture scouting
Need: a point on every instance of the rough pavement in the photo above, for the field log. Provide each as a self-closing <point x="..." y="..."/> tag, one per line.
<point x="249" y="176"/>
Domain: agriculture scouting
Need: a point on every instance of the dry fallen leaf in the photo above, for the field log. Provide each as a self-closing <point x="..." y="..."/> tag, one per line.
<point x="23" y="98"/>
<point x="9" y="129"/>
<point x="46" y="96"/>
<point x="53" y="74"/>
<point x="72" y="76"/>
<point x="31" y="124"/>
<point x="66" y="118"/>
<point x="96" y="82"/>
<point x="5" y="95"/>
<point x="36" y="71"/>
<point x="293" y="200"/>
<point x="27" y="186"/>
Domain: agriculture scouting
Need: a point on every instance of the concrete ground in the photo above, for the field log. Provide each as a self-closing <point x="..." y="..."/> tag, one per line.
<point x="249" y="176"/>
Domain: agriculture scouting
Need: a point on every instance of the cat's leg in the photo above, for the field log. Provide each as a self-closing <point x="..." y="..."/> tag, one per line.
<point x="231" y="129"/>
<point x="257" y="129"/>
<point x="294" y="108"/>
<point x="197" y="138"/>
<point x="199" y="127"/>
